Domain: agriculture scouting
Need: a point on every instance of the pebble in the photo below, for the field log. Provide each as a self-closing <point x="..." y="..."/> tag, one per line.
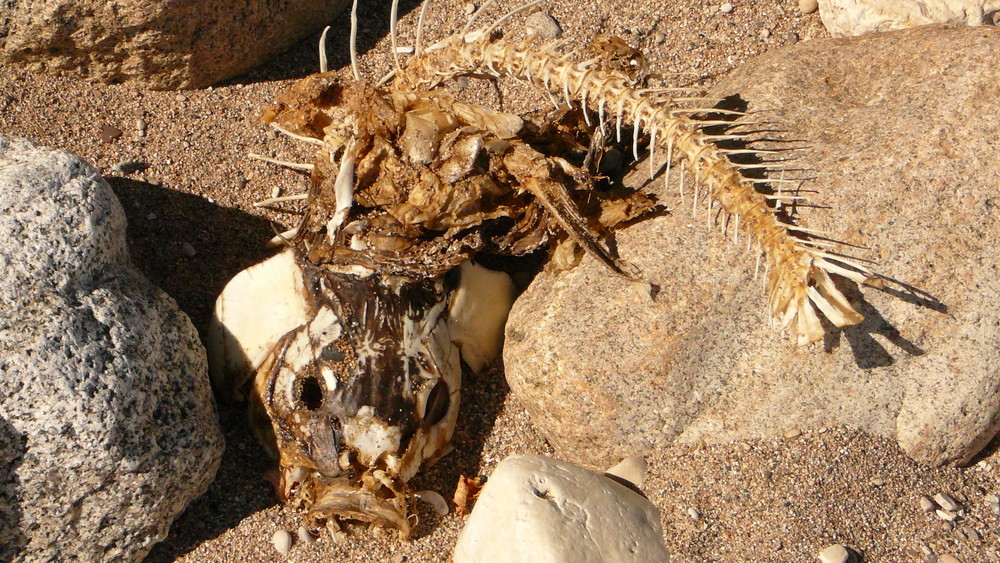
<point x="793" y="433"/>
<point x="878" y="482"/>
<point x="188" y="250"/>
<point x="764" y="34"/>
<point x="659" y="37"/>
<point x="282" y="541"/>
<point x="151" y="216"/>
<point x="992" y="499"/>
<point x="726" y="8"/>
<point x="126" y="167"/>
<point x="693" y="513"/>
<point x="109" y="133"/>
<point x="969" y="533"/>
<point x="542" y="25"/>
<point x="304" y="536"/>
<point x="141" y="125"/>
<point x="276" y="192"/>
<point x="470" y="9"/>
<point x="946" y="515"/>
<point x="946" y="558"/>
<point x="808" y="6"/>
<point x="835" y="553"/>
<point x="945" y="501"/>
<point x="926" y="504"/>
<point x="791" y="38"/>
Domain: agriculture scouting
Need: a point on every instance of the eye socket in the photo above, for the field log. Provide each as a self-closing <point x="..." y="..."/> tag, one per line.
<point x="438" y="401"/>
<point x="311" y="393"/>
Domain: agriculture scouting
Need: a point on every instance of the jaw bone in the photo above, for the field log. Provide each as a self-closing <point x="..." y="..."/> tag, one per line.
<point x="256" y="308"/>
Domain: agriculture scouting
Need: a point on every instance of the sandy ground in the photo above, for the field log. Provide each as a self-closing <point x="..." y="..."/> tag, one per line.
<point x="192" y="226"/>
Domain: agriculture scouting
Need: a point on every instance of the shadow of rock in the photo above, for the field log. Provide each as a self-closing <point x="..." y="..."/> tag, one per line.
<point x="187" y="245"/>
<point x="303" y="59"/>
<point x="12" y="448"/>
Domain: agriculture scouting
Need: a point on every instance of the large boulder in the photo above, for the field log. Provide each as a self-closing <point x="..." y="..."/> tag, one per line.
<point x="846" y="18"/>
<point x="107" y="425"/>
<point x="162" y="44"/>
<point x="901" y="132"/>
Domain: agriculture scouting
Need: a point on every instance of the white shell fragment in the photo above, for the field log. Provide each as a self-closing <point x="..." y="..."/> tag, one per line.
<point x="434" y="499"/>
<point x="631" y="469"/>
<point x="305" y="536"/>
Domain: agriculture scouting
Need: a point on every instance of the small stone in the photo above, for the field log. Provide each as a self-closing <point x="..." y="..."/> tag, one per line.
<point x="969" y="533"/>
<point x="992" y="499"/>
<point x="808" y="6"/>
<point x="658" y="38"/>
<point x="945" y="501"/>
<point x="304" y="536"/>
<point x="181" y="98"/>
<point x="926" y="504"/>
<point x="542" y="25"/>
<point x="470" y="9"/>
<point x="946" y="515"/>
<point x="141" y="125"/>
<point x="878" y="482"/>
<point x="151" y="216"/>
<point x="835" y="553"/>
<point x="109" y="133"/>
<point x="793" y="433"/>
<point x="276" y="192"/>
<point x="282" y="541"/>
<point x="791" y="38"/>
<point x="726" y="8"/>
<point x="405" y="49"/>
<point x="929" y="558"/>
<point x="946" y="558"/>
<point x="188" y="250"/>
<point x="126" y="167"/>
<point x="912" y="552"/>
<point x="764" y="34"/>
<point x="693" y="513"/>
<point x="946" y="526"/>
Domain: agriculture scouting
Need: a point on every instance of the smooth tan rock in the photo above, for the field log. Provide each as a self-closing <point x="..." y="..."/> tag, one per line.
<point x="534" y="508"/>
<point x="845" y="18"/>
<point x="158" y="44"/>
<point x="902" y="131"/>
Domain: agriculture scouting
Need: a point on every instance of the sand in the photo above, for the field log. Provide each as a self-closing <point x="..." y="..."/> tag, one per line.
<point x="192" y="226"/>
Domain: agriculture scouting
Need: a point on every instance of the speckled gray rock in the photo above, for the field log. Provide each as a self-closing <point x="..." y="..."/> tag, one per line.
<point x="156" y="43"/>
<point x="534" y="508"/>
<point x="903" y="130"/>
<point x="107" y="426"/>
<point x="845" y="18"/>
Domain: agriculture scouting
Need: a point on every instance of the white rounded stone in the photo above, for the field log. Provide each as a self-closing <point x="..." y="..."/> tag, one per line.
<point x="535" y="508"/>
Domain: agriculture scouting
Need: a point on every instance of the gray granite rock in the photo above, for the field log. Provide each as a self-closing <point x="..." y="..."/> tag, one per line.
<point x="534" y="508"/>
<point x="902" y="131"/>
<point x="107" y="424"/>
<point x="845" y="18"/>
<point x="156" y="43"/>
